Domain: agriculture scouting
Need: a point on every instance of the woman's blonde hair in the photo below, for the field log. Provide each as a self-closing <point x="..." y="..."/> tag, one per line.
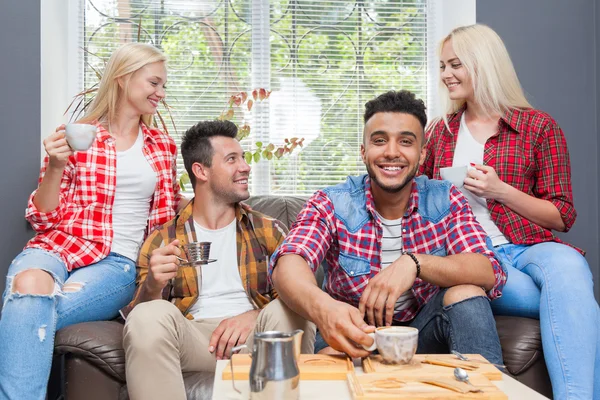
<point x="124" y="61"/>
<point x="495" y="83"/>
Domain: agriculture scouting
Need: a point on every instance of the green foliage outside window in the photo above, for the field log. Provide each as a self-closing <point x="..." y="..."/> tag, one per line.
<point x="345" y="53"/>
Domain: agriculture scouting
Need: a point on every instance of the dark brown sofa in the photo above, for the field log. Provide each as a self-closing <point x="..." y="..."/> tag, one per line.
<point x="89" y="359"/>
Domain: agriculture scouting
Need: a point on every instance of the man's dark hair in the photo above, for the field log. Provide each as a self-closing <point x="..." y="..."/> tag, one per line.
<point x="196" y="146"/>
<point x="401" y="101"/>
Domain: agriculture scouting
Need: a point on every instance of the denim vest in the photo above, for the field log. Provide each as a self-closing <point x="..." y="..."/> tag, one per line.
<point x="350" y="205"/>
<point x="350" y="200"/>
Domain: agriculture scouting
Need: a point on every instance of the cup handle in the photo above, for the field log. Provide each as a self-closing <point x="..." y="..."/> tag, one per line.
<point x="236" y="348"/>
<point x="373" y="347"/>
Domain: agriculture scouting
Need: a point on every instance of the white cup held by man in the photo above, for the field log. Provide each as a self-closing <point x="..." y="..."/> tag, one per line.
<point x="456" y="175"/>
<point x="396" y="344"/>
<point x="80" y="136"/>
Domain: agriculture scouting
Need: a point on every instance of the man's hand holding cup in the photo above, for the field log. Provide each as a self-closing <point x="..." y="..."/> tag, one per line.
<point x="162" y="268"/>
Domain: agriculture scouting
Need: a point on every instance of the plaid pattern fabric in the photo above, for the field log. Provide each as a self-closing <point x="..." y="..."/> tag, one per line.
<point x="257" y="238"/>
<point x="530" y="154"/>
<point x="318" y="235"/>
<point x="80" y="228"/>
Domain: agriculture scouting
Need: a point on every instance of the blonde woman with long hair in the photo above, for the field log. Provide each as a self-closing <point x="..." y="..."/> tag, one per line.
<point x="519" y="187"/>
<point x="91" y="212"/>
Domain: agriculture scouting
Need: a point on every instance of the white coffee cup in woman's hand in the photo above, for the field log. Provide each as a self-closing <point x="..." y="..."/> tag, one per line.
<point x="80" y="136"/>
<point x="456" y="175"/>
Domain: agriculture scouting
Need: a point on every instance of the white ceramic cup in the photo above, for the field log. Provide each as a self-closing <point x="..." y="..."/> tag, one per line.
<point x="396" y="344"/>
<point x="80" y="136"/>
<point x="456" y="175"/>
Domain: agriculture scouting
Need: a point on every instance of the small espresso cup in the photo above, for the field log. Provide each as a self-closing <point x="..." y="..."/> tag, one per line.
<point x="80" y="136"/>
<point x="396" y="344"/>
<point x="197" y="251"/>
<point x="456" y="175"/>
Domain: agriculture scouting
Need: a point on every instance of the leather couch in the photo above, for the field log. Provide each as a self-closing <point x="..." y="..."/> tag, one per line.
<point x="89" y="360"/>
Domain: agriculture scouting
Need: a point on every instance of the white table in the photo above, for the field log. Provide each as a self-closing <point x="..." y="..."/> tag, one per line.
<point x="327" y="390"/>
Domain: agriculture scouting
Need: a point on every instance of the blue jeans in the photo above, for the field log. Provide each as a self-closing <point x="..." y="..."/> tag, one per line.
<point x="467" y="326"/>
<point x="553" y="282"/>
<point x="29" y="322"/>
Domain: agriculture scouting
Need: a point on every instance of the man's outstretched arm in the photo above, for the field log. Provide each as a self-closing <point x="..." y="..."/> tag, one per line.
<point x="340" y="324"/>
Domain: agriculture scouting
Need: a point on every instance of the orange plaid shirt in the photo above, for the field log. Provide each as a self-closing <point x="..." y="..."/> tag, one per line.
<point x="258" y="236"/>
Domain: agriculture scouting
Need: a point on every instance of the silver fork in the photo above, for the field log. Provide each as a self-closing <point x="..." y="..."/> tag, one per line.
<point x="462" y="357"/>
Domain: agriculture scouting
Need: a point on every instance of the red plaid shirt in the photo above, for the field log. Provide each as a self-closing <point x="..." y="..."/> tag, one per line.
<point x="318" y="235"/>
<point x="530" y="154"/>
<point x="80" y="228"/>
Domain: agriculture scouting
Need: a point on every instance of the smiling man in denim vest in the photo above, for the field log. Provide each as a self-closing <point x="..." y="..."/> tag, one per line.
<point x="396" y="250"/>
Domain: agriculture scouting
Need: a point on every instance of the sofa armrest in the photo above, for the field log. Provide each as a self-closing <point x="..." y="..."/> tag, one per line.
<point x="521" y="342"/>
<point x="100" y="343"/>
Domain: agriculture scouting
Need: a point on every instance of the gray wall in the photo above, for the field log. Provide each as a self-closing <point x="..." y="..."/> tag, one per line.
<point x="597" y="108"/>
<point x="20" y="116"/>
<point x="554" y="46"/>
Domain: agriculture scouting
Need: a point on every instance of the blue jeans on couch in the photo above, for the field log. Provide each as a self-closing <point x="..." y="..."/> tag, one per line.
<point x="29" y="322"/>
<point x="552" y="282"/>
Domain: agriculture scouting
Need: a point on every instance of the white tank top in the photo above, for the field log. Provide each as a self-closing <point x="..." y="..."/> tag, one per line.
<point x="136" y="182"/>
<point x="468" y="150"/>
<point x="222" y="294"/>
<point x="391" y="250"/>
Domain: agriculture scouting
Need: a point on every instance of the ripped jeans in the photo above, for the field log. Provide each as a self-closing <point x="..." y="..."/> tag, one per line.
<point x="29" y="322"/>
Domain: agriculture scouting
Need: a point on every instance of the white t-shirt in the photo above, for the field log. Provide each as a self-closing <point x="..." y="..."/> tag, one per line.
<point x="391" y="250"/>
<point x="136" y="183"/>
<point x="222" y="294"/>
<point x="468" y="150"/>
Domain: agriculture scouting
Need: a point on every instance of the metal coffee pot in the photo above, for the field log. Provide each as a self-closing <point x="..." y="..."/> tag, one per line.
<point x="274" y="373"/>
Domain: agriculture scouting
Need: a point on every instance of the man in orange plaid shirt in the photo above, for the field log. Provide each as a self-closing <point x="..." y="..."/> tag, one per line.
<point x="184" y="318"/>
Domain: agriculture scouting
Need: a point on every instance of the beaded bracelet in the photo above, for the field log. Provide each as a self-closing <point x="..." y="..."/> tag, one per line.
<point x="414" y="258"/>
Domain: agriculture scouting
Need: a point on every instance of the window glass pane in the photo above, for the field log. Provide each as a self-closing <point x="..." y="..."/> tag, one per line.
<point x="325" y="59"/>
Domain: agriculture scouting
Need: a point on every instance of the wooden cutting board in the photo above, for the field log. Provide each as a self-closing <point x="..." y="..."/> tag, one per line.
<point x="379" y="386"/>
<point x="317" y="367"/>
<point x="418" y="367"/>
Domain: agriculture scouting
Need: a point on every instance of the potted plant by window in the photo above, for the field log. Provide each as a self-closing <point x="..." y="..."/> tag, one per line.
<point x="241" y="100"/>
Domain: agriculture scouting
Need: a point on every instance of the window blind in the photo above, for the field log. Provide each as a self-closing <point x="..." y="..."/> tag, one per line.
<point x="322" y="60"/>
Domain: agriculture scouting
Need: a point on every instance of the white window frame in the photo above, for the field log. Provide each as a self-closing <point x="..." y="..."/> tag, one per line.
<point x="60" y="55"/>
<point x="61" y="77"/>
<point x="444" y="15"/>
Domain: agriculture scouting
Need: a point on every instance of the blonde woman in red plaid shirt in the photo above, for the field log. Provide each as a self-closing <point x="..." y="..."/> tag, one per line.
<point x="519" y="187"/>
<point x="91" y="212"/>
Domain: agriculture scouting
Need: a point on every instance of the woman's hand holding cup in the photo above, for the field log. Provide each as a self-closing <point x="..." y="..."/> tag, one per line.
<point x="57" y="148"/>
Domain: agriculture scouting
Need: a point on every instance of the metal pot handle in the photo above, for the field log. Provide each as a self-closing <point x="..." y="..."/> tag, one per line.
<point x="235" y="349"/>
